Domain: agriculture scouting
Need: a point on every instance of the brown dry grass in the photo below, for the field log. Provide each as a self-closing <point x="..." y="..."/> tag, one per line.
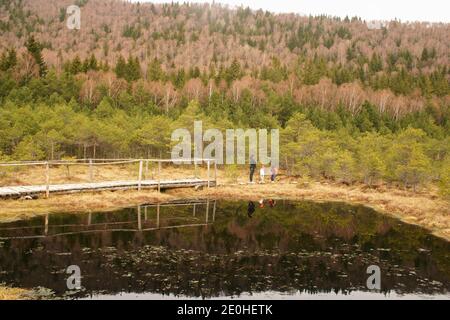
<point x="35" y="175"/>
<point x="424" y="208"/>
<point x="7" y="293"/>
<point x="12" y="210"/>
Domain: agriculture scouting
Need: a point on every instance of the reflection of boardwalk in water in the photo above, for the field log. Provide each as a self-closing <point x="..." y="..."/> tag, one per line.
<point x="148" y="214"/>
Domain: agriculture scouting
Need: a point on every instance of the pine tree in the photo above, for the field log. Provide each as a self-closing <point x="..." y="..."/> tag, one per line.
<point x="180" y="79"/>
<point x="8" y="60"/>
<point x="375" y="63"/>
<point x="35" y="49"/>
<point x="155" y="72"/>
<point x="121" y="68"/>
<point x="234" y="72"/>
<point x="76" y="65"/>
<point x="425" y="56"/>
<point x="133" y="69"/>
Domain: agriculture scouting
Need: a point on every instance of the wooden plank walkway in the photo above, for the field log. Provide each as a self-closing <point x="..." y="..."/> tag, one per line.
<point x="21" y="191"/>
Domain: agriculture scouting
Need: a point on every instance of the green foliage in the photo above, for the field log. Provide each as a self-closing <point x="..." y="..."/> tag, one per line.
<point x="133" y="32"/>
<point x="344" y="33"/>
<point x="47" y="117"/>
<point x="407" y="161"/>
<point x="35" y="49"/>
<point x="371" y="148"/>
<point x="154" y="137"/>
<point x="404" y="158"/>
<point x="307" y="33"/>
<point x="28" y="149"/>
<point x="312" y="71"/>
<point x="234" y="72"/>
<point x="8" y="60"/>
<point x="155" y="71"/>
<point x="62" y="14"/>
<point x="81" y="3"/>
<point x="444" y="183"/>
<point x="179" y="79"/>
<point x="275" y="73"/>
<point x="376" y="64"/>
<point x="129" y="70"/>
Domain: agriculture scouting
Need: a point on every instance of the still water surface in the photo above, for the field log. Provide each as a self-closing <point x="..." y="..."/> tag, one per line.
<point x="221" y="249"/>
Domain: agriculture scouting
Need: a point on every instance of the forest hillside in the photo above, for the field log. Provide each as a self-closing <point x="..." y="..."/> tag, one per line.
<point x="355" y="100"/>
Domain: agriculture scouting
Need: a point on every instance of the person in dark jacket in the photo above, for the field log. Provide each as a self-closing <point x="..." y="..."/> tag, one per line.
<point x="252" y="167"/>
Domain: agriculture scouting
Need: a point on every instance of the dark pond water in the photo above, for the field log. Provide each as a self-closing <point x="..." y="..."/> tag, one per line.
<point x="209" y="249"/>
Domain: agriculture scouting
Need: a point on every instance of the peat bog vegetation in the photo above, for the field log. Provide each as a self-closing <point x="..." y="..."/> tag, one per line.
<point x="364" y="120"/>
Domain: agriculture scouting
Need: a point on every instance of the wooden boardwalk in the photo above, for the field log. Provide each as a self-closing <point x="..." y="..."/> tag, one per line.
<point x="22" y="191"/>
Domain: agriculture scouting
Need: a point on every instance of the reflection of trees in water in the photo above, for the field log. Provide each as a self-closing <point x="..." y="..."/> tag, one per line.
<point x="303" y="246"/>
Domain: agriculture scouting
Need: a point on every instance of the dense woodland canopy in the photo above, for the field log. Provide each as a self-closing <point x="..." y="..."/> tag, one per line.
<point x="354" y="102"/>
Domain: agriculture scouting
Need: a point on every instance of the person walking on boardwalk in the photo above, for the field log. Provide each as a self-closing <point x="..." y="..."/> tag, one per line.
<point x="252" y="167"/>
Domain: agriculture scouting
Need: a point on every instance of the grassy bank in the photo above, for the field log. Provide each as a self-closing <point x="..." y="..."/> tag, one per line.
<point x="424" y="209"/>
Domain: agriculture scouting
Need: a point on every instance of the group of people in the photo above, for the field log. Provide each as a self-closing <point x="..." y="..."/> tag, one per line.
<point x="273" y="171"/>
<point x="262" y="203"/>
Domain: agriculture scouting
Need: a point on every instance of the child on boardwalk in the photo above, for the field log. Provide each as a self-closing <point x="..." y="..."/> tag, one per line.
<point x="262" y="173"/>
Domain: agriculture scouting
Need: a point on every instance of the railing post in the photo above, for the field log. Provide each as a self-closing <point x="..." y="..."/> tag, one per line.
<point x="157" y="216"/>
<point x="139" y="218"/>
<point x="195" y="168"/>
<point x="215" y="173"/>
<point x="140" y="175"/>
<point x="90" y="171"/>
<point x="47" y="180"/>
<point x="146" y="169"/>
<point x="209" y="165"/>
<point x="46" y="225"/>
<point x="207" y="211"/>
<point x="159" y="176"/>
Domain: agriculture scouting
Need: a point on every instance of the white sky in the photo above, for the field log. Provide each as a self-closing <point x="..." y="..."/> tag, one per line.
<point x="405" y="10"/>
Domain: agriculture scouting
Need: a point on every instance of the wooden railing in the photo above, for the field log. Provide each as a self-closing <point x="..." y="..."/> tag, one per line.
<point x="91" y="163"/>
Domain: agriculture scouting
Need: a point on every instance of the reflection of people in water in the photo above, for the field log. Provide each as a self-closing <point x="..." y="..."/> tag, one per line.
<point x="261" y="203"/>
<point x="250" y="209"/>
<point x="272" y="203"/>
<point x="251" y="206"/>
